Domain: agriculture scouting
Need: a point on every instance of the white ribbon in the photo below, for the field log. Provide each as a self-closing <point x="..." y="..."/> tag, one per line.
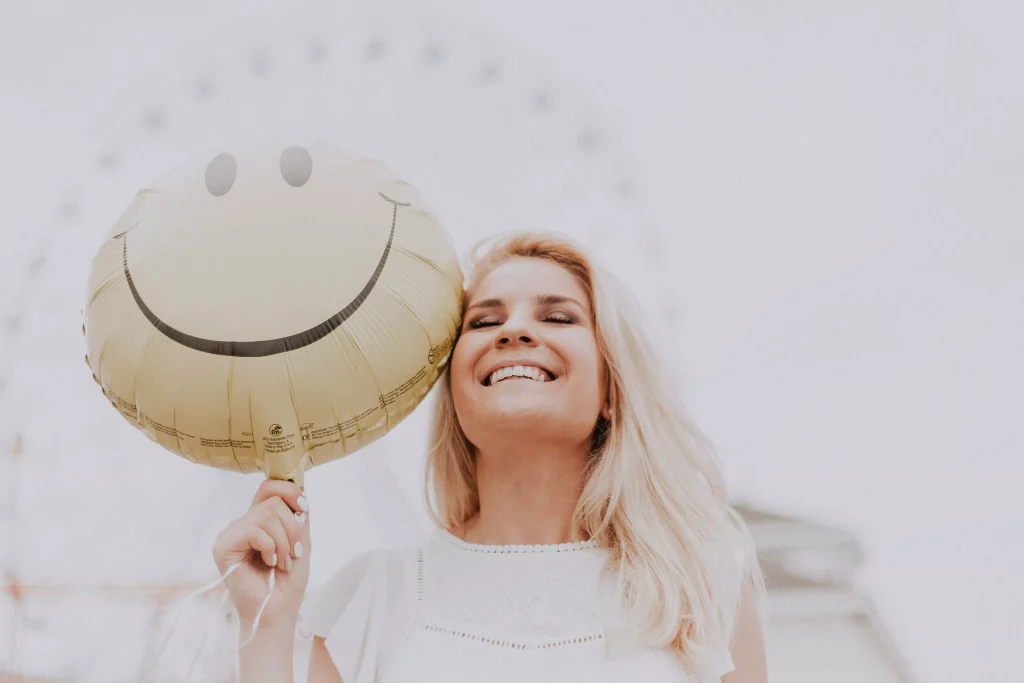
<point x="179" y="612"/>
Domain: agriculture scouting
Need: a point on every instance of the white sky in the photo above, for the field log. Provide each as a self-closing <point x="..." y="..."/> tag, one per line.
<point x="843" y="189"/>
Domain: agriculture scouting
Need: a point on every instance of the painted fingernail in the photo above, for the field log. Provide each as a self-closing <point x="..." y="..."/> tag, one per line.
<point x="300" y="517"/>
<point x="273" y="561"/>
<point x="298" y="549"/>
<point x="303" y="504"/>
<point x="288" y="563"/>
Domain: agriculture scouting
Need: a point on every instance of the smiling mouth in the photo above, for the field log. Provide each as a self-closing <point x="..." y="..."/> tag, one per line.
<point x="267" y="347"/>
<point x="519" y="372"/>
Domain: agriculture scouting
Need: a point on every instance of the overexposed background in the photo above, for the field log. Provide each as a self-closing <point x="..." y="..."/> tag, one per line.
<point x="832" y="193"/>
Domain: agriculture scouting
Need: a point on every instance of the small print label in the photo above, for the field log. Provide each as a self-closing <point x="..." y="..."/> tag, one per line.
<point x="278" y="441"/>
<point x="438" y="352"/>
<point x="124" y="406"/>
<point x="224" y="443"/>
<point x="310" y="432"/>
<point x="164" y="429"/>
<point x="406" y="386"/>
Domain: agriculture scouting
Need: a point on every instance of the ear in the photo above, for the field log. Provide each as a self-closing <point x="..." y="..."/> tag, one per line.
<point x="606" y="412"/>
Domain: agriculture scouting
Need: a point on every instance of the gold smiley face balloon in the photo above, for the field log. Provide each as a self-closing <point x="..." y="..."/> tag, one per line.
<point x="270" y="309"/>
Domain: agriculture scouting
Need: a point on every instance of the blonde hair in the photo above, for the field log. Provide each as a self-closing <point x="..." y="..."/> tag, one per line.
<point x="654" y="492"/>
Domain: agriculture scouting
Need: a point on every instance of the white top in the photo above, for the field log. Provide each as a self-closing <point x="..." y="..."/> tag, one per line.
<point x="460" y="612"/>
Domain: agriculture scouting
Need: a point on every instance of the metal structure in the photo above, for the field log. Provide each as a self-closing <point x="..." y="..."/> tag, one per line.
<point x="821" y="626"/>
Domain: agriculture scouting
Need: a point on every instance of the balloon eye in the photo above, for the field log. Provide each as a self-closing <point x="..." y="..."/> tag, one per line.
<point x="296" y="166"/>
<point x="220" y="174"/>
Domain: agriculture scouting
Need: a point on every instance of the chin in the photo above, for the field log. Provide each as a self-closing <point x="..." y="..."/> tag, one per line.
<point x="521" y="416"/>
<point x="521" y="411"/>
<point x="525" y="423"/>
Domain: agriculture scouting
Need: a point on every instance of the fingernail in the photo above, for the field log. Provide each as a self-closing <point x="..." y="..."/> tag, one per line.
<point x="288" y="563"/>
<point x="298" y="549"/>
<point x="300" y="517"/>
<point x="303" y="504"/>
<point x="273" y="560"/>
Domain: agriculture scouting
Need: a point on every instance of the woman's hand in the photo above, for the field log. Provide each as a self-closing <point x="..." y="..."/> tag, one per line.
<point x="274" y="532"/>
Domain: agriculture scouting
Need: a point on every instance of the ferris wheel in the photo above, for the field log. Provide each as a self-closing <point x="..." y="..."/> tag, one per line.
<point x="491" y="140"/>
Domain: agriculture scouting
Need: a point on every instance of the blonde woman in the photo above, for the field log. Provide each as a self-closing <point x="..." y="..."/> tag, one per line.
<point x="583" y="528"/>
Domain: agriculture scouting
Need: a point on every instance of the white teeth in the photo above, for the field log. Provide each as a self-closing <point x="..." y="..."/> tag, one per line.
<point x="529" y="371"/>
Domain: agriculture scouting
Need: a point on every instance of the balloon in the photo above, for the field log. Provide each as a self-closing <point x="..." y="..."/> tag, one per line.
<point x="271" y="309"/>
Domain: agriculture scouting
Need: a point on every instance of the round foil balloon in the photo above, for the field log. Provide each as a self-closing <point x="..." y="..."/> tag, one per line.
<point x="270" y="309"/>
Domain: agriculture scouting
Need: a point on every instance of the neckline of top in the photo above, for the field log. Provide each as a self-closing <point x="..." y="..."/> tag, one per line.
<point x="454" y="540"/>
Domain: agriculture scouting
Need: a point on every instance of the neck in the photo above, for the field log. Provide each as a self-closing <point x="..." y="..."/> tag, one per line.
<point x="527" y="495"/>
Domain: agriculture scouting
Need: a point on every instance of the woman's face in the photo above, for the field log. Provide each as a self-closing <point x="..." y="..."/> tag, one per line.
<point x="526" y="364"/>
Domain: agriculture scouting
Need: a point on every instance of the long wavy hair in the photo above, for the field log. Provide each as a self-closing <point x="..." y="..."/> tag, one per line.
<point x="654" y="491"/>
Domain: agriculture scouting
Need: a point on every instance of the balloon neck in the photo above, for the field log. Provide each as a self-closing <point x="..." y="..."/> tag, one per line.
<point x="294" y="475"/>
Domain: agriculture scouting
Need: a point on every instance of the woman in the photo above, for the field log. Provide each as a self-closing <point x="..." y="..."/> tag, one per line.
<point x="584" y="533"/>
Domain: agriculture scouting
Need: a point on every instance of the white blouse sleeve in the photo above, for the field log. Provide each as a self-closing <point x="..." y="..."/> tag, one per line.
<point x="359" y="612"/>
<point x="732" y="566"/>
<point x="721" y="664"/>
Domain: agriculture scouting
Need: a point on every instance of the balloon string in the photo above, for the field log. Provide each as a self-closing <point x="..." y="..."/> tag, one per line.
<point x="256" y="622"/>
<point x="180" y="610"/>
<point x="206" y="635"/>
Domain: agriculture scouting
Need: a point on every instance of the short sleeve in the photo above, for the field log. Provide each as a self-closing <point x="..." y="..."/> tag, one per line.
<point x="732" y="564"/>
<point x="721" y="664"/>
<point x="360" y="612"/>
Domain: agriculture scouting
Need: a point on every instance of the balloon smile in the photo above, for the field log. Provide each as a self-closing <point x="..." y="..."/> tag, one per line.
<point x="267" y="347"/>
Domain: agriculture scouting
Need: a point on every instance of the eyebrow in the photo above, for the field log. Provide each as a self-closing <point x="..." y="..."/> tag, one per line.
<point x="540" y="300"/>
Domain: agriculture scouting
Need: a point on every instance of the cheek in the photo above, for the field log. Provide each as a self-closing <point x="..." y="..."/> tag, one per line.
<point x="592" y="371"/>
<point x="462" y="362"/>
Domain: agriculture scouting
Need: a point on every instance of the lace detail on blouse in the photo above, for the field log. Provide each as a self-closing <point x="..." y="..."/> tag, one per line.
<point x="511" y="597"/>
<point x="514" y="549"/>
<point x="516" y="646"/>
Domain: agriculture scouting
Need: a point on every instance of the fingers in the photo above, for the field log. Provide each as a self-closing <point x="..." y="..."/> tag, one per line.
<point x="276" y="527"/>
<point x="289" y="492"/>
<point x="263" y="543"/>
<point x="270" y="521"/>
<point x="292" y="525"/>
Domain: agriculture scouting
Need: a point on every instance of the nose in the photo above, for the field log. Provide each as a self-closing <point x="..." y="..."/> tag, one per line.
<point x="513" y="333"/>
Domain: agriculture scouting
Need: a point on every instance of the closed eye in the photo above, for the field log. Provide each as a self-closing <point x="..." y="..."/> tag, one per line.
<point x="560" y="317"/>
<point x="485" y="321"/>
<point x="557" y="317"/>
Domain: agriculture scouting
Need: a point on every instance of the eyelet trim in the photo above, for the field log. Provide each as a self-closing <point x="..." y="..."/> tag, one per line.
<point x="517" y="549"/>
<point x="511" y="645"/>
<point x="419" y="575"/>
